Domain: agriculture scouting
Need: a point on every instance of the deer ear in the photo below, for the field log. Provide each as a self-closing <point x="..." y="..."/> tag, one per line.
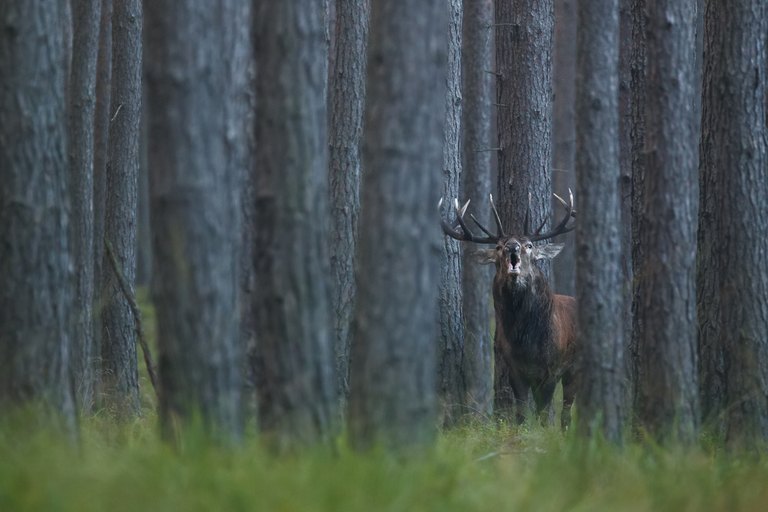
<point x="547" y="252"/>
<point x="484" y="256"/>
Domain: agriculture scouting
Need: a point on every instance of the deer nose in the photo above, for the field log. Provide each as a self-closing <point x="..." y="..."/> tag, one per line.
<point x="516" y="248"/>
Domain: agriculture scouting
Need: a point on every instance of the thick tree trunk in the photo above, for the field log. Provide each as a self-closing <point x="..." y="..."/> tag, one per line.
<point x="294" y="347"/>
<point x="524" y="35"/>
<point x="345" y="131"/>
<point x="198" y="153"/>
<point x="450" y="368"/>
<point x="666" y="402"/>
<point x="734" y="199"/>
<point x="476" y="185"/>
<point x="82" y="109"/>
<point x="36" y="279"/>
<point x="120" y="378"/>
<point x="392" y="396"/>
<point x="599" y="278"/>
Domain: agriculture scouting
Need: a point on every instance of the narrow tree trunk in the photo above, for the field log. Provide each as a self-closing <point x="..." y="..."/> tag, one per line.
<point x="451" y="377"/>
<point x="100" y="145"/>
<point x="198" y="153"/>
<point x="36" y="280"/>
<point x="392" y="396"/>
<point x="626" y="49"/>
<point x="666" y="401"/>
<point x="599" y="278"/>
<point x="345" y="131"/>
<point x="118" y="338"/>
<point x="564" y="133"/>
<point x="524" y="35"/>
<point x="733" y="232"/>
<point x="82" y="109"/>
<point x="476" y="186"/>
<point x="636" y="121"/>
<point x="294" y="346"/>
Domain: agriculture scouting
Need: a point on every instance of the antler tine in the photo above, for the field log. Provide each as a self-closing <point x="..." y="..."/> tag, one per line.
<point x="464" y="234"/>
<point x="499" y="229"/>
<point x="563" y="226"/>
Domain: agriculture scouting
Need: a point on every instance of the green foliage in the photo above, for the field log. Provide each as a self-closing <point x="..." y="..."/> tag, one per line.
<point x="481" y="467"/>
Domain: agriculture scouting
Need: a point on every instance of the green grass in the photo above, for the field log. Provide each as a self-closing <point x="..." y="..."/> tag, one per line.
<point x="489" y="468"/>
<point x="485" y="467"/>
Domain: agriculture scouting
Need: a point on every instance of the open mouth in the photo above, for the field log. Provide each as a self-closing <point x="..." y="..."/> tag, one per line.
<point x="514" y="266"/>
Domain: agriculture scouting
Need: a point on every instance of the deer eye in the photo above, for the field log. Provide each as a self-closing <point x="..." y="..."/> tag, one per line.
<point x="529" y="245"/>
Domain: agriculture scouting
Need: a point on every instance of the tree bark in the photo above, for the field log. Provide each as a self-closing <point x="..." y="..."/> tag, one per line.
<point x="198" y="152"/>
<point x="666" y="402"/>
<point x="100" y="145"/>
<point x="476" y="186"/>
<point x="82" y="109"/>
<point x="733" y="229"/>
<point x="636" y="121"/>
<point x="393" y="389"/>
<point x="599" y="279"/>
<point x="564" y="133"/>
<point x="524" y="35"/>
<point x="345" y="131"/>
<point x="36" y="278"/>
<point x="451" y="376"/>
<point x="120" y="378"/>
<point x="294" y="347"/>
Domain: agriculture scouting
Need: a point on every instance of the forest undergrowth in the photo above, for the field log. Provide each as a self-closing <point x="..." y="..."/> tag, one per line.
<point x="486" y="466"/>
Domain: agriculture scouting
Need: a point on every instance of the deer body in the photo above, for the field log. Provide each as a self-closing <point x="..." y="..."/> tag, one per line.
<point x="535" y="328"/>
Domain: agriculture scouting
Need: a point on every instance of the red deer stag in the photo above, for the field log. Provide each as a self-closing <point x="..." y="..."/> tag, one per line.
<point x="535" y="328"/>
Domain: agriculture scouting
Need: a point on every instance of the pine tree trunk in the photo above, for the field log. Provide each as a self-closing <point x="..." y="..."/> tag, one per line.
<point x="198" y="152"/>
<point x="524" y="35"/>
<point x="345" y="131"/>
<point x="733" y="229"/>
<point x="36" y="278"/>
<point x="82" y="109"/>
<point x="476" y="185"/>
<point x="100" y="145"/>
<point x="393" y="390"/>
<point x="598" y="276"/>
<point x="120" y="378"/>
<point x="451" y="377"/>
<point x="666" y="402"/>
<point x="564" y="134"/>
<point x="293" y="355"/>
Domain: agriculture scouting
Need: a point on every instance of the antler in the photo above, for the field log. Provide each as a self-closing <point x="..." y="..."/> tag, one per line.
<point x="465" y="234"/>
<point x="563" y="226"/>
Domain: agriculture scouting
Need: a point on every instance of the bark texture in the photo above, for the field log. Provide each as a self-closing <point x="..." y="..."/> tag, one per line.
<point x="100" y="144"/>
<point x="476" y="185"/>
<point x="120" y="379"/>
<point x="524" y="35"/>
<point x="598" y="247"/>
<point x="451" y="376"/>
<point x="666" y="400"/>
<point x="197" y="70"/>
<point x="393" y="389"/>
<point x="564" y="134"/>
<point x="345" y="131"/>
<point x="36" y="277"/>
<point x="82" y="109"/>
<point x="293" y="357"/>
<point x="733" y="229"/>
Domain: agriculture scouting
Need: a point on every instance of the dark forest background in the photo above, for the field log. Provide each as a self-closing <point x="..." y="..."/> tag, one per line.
<point x="263" y="177"/>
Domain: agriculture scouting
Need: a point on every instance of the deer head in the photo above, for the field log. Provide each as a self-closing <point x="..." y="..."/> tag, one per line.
<point x="514" y="254"/>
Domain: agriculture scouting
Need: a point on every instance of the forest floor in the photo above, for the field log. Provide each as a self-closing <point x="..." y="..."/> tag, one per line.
<point x="484" y="467"/>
